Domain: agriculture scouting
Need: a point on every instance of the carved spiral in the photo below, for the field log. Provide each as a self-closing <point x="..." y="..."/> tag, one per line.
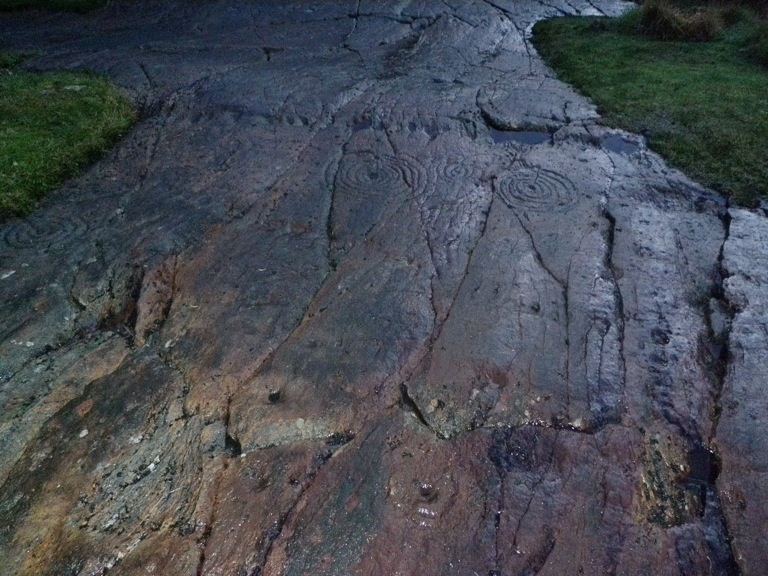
<point x="535" y="188"/>
<point x="366" y="173"/>
<point x="464" y="170"/>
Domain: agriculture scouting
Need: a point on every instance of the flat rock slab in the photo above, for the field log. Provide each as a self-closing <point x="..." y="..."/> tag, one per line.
<point x="367" y="290"/>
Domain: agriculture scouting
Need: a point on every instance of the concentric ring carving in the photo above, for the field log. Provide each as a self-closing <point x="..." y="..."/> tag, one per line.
<point x="367" y="173"/>
<point x="535" y="188"/>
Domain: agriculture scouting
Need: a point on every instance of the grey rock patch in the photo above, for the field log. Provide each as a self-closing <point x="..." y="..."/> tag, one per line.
<point x="739" y="441"/>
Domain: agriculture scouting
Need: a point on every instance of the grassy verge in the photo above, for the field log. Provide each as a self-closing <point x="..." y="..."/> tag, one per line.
<point x="703" y="105"/>
<point x="62" y="5"/>
<point x="51" y="126"/>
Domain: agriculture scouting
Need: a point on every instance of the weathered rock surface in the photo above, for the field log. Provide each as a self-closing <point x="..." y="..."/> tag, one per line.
<point x="744" y="448"/>
<point x="369" y="291"/>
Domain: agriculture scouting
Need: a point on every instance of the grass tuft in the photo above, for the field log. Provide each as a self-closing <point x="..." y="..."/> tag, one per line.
<point x="52" y="125"/>
<point x="703" y="106"/>
<point x="663" y="21"/>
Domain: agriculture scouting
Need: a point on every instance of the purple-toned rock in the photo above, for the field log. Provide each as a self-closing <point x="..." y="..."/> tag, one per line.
<point x="368" y="291"/>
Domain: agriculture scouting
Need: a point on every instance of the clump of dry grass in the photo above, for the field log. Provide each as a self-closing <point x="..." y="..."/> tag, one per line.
<point x="663" y="20"/>
<point x="744" y="21"/>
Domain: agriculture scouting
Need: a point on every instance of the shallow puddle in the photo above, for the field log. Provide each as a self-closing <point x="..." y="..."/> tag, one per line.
<point x="620" y="145"/>
<point x="527" y="137"/>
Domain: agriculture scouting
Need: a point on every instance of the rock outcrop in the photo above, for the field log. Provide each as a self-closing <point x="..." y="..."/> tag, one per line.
<point x="368" y="291"/>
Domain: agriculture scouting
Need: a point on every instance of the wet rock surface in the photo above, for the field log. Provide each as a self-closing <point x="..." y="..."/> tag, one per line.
<point x="368" y="291"/>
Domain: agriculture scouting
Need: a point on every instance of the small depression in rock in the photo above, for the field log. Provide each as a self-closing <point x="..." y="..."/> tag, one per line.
<point x="361" y="125"/>
<point x="620" y="145"/>
<point x="703" y="464"/>
<point x="527" y="137"/>
<point x="428" y="492"/>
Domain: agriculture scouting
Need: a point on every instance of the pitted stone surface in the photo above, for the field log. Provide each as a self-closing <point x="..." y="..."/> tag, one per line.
<point x="313" y="316"/>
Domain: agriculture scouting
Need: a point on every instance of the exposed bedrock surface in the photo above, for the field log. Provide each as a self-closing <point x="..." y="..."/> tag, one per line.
<point x="324" y="311"/>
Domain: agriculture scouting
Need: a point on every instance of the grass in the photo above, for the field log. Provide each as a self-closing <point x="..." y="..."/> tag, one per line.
<point x="703" y="105"/>
<point x="757" y="44"/>
<point x="9" y="60"/>
<point x="60" y="5"/>
<point x="52" y="125"/>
